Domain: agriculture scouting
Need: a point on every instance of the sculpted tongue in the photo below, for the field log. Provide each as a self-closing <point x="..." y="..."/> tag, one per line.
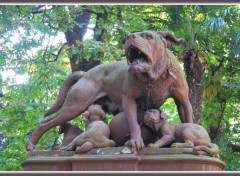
<point x="135" y="61"/>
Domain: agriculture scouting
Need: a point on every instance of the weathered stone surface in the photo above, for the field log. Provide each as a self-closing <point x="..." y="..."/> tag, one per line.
<point x="50" y="153"/>
<point x="114" y="159"/>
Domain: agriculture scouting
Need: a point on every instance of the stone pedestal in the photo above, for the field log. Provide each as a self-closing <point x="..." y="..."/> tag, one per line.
<point x="122" y="159"/>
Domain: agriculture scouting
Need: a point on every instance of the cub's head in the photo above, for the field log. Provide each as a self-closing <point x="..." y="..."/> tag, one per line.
<point x="153" y="117"/>
<point x="93" y="113"/>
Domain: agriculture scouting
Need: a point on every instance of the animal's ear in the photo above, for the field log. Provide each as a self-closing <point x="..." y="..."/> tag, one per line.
<point x="163" y="115"/>
<point x="85" y="116"/>
<point x="123" y="40"/>
<point x="170" y="38"/>
<point x="103" y="116"/>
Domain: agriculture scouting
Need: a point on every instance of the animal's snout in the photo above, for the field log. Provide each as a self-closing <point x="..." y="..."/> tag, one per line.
<point x="131" y="36"/>
<point x="149" y="115"/>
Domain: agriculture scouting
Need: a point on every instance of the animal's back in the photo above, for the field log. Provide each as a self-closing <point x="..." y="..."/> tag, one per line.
<point x="110" y="76"/>
<point x="200" y="133"/>
<point x="103" y="71"/>
<point x="97" y="132"/>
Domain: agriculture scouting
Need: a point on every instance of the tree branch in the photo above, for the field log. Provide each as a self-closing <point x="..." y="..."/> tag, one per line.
<point x="37" y="9"/>
<point x="235" y="148"/>
<point x="155" y="20"/>
<point x="216" y="68"/>
<point x="57" y="55"/>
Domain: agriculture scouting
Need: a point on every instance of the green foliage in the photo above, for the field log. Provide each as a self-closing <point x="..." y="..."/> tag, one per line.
<point x="30" y="41"/>
<point x="170" y="109"/>
<point x="227" y="155"/>
<point x="24" y="108"/>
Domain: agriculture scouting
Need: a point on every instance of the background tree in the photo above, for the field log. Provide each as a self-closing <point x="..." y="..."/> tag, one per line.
<point x="44" y="44"/>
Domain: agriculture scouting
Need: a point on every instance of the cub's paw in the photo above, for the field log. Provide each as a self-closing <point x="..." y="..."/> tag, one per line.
<point x="175" y="145"/>
<point x="154" y="145"/>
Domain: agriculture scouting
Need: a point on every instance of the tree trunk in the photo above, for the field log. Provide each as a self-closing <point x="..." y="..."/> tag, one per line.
<point x="194" y="71"/>
<point x="74" y="39"/>
<point x="99" y="31"/>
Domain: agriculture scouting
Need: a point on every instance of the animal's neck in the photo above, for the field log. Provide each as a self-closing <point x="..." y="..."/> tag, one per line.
<point x="161" y="124"/>
<point x="153" y="74"/>
<point x="158" y="126"/>
<point x="158" y="68"/>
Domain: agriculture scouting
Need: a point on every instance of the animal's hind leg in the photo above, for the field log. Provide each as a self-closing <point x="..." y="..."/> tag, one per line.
<point x="73" y="144"/>
<point x="82" y="94"/>
<point x="186" y="144"/>
<point x="46" y="120"/>
<point x="111" y="143"/>
<point x="108" y="143"/>
<point x="85" y="147"/>
<point x="69" y="147"/>
<point x="188" y="137"/>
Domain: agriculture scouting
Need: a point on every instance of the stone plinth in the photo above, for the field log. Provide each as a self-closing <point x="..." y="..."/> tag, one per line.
<point x="122" y="159"/>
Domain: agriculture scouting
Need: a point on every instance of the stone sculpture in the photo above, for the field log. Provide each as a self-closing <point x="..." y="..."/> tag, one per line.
<point x="96" y="134"/>
<point x="120" y="132"/>
<point x="184" y="135"/>
<point x="150" y="75"/>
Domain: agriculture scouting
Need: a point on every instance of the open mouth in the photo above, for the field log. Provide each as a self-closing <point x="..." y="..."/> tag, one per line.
<point x="135" y="56"/>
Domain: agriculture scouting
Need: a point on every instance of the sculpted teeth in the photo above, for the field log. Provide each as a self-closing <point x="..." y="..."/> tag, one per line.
<point x="135" y="56"/>
<point x="141" y="59"/>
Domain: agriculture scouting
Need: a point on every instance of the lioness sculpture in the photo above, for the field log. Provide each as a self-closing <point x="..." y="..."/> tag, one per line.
<point x="186" y="135"/>
<point x="150" y="75"/>
<point x="96" y="134"/>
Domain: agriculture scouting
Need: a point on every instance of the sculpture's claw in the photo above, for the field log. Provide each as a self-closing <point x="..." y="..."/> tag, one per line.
<point x="151" y="145"/>
<point x="138" y="144"/>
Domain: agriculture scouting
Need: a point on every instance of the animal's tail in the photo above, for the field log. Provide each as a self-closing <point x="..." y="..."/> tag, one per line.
<point x="63" y="91"/>
<point x="212" y="149"/>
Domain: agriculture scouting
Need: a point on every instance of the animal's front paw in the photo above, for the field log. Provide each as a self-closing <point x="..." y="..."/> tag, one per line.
<point x="138" y="144"/>
<point x="175" y="145"/>
<point x="63" y="148"/>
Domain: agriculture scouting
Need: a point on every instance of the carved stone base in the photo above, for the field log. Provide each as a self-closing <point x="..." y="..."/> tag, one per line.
<point x="122" y="159"/>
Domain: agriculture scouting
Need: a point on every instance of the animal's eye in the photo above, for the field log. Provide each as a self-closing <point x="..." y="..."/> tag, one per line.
<point x="149" y="36"/>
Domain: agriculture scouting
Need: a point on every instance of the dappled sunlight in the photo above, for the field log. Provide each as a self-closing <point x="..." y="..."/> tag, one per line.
<point x="12" y="78"/>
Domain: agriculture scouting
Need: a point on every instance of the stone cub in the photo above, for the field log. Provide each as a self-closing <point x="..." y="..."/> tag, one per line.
<point x="96" y="134"/>
<point x="185" y="135"/>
